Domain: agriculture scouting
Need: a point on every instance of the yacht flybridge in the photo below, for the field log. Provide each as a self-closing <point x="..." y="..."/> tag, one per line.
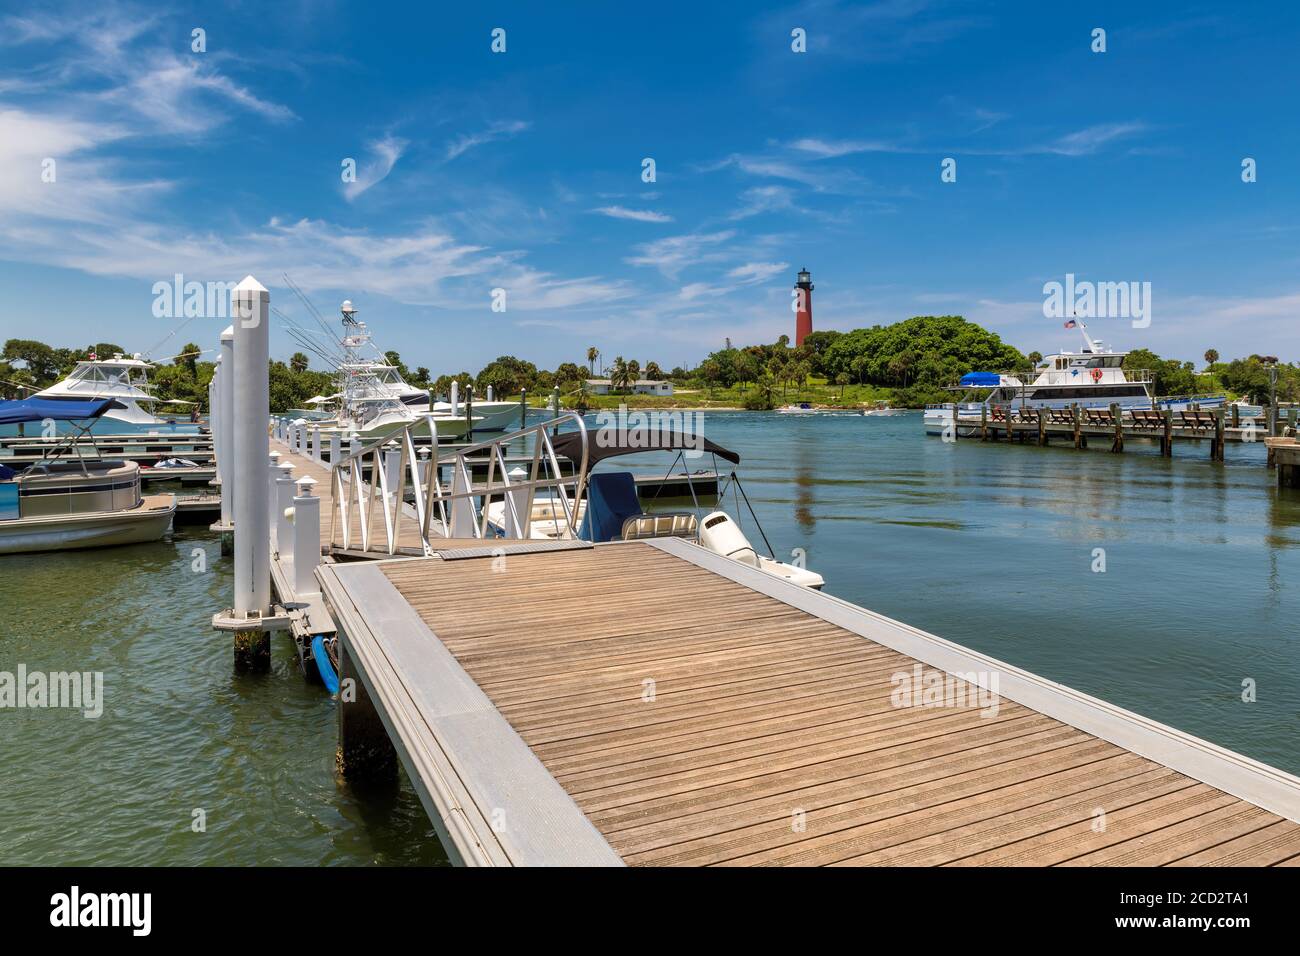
<point x="1093" y="377"/>
<point x="124" y="382"/>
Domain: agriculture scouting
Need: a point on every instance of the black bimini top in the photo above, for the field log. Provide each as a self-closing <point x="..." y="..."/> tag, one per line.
<point x="610" y="443"/>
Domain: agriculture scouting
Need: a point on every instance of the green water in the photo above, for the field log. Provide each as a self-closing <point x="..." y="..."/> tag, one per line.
<point x="987" y="545"/>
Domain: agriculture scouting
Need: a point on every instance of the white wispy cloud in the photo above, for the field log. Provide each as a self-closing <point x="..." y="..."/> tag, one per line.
<point x="1084" y="142"/>
<point x="384" y="154"/>
<point x="757" y="271"/>
<point x="78" y="185"/>
<point x="763" y="199"/>
<point x="110" y="61"/>
<point x="672" y="254"/>
<point x="498" y="129"/>
<point x="830" y="149"/>
<point x="639" y="215"/>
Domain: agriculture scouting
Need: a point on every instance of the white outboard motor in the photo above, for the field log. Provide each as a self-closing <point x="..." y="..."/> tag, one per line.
<point x="723" y="536"/>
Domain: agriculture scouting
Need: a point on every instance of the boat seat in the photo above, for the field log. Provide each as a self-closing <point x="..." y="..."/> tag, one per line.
<point x="611" y="500"/>
<point x="674" y="524"/>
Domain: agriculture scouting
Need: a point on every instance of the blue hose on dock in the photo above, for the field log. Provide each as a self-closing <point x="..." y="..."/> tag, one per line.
<point x="323" y="664"/>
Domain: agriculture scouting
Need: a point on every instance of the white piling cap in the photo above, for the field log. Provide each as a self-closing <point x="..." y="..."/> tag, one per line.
<point x="304" y="486"/>
<point x="228" y="334"/>
<point x="249" y="284"/>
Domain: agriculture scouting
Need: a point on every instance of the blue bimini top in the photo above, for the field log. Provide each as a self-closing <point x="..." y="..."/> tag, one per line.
<point x="39" y="409"/>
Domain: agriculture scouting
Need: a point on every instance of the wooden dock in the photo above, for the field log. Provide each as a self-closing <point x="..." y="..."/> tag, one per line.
<point x="1077" y="425"/>
<point x="653" y="703"/>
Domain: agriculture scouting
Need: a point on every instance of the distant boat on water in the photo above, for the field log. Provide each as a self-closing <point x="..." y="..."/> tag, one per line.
<point x="1094" y="377"/>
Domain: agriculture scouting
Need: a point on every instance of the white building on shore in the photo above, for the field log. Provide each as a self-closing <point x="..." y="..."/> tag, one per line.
<point x="645" y="386"/>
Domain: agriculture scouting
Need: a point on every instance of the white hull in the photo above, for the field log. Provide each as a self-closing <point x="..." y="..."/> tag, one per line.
<point x="489" y="416"/>
<point x="447" y="428"/>
<point x="94" y="530"/>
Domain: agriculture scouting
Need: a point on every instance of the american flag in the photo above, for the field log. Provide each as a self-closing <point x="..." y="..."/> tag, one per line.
<point x="1071" y="324"/>
<point x="93" y="356"/>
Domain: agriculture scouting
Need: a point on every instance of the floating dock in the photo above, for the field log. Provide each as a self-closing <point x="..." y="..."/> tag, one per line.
<point x="654" y="703"/>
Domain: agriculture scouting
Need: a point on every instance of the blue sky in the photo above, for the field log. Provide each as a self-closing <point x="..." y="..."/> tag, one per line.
<point x="522" y="170"/>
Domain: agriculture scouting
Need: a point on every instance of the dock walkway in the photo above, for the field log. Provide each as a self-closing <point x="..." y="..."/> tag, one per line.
<point x="654" y="703"/>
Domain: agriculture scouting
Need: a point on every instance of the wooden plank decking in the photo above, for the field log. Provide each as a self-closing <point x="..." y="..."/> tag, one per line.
<point x="693" y="711"/>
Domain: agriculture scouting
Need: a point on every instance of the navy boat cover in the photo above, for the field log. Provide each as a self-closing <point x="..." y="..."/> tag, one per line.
<point x="39" y="409"/>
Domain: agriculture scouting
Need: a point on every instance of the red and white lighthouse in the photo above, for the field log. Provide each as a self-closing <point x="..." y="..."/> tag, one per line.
<point x="803" y="307"/>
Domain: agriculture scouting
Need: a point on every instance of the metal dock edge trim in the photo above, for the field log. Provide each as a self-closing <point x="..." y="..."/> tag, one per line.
<point x="1244" y="777"/>
<point x="542" y="824"/>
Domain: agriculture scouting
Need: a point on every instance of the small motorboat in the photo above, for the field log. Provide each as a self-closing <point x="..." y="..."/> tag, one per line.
<point x="882" y="409"/>
<point x="56" y="504"/>
<point x="607" y="506"/>
<point x="803" y="408"/>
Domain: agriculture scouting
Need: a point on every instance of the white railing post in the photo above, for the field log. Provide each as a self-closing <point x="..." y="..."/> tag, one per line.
<point x="226" y="454"/>
<point x="315" y="443"/>
<point x="392" y="463"/>
<point x="273" y="474"/>
<point x="334" y="449"/>
<point x="306" y="538"/>
<point x="283" y="502"/>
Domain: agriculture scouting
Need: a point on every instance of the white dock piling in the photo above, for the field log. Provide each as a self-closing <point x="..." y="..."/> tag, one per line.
<point x="226" y="454"/>
<point x="455" y="397"/>
<point x="252" y="405"/>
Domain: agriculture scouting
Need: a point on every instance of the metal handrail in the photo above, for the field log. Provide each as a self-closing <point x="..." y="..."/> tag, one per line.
<point x="457" y="509"/>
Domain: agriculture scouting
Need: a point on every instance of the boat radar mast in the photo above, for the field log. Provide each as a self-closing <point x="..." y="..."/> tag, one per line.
<point x="1089" y="343"/>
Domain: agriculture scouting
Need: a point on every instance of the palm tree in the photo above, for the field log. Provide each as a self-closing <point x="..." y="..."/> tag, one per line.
<point x="299" y="362"/>
<point x="633" y="373"/>
<point x="619" y="373"/>
<point x="582" y="394"/>
<point x="652" y="370"/>
<point x="1211" y="356"/>
<point x="841" y="380"/>
<point x="592" y="354"/>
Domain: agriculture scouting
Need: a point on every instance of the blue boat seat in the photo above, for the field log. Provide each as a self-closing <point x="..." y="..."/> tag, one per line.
<point x="611" y="500"/>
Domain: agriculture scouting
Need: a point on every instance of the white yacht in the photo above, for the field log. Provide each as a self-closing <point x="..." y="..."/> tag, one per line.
<point x="1093" y="377"/>
<point x="125" y="381"/>
<point x="370" y="402"/>
<point x="489" y="416"/>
